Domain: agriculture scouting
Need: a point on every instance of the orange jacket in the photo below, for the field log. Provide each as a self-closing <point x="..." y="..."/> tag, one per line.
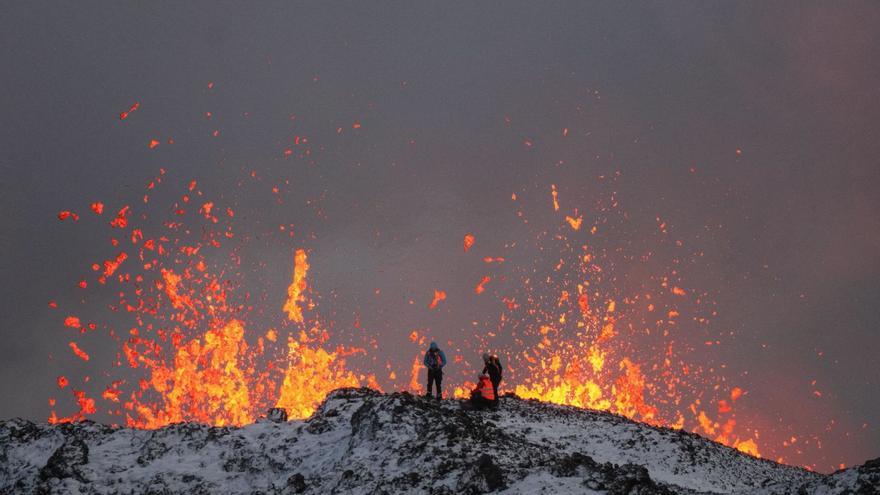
<point x="485" y="389"/>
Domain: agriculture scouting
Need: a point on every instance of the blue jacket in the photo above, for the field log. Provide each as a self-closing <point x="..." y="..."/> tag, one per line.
<point x="433" y="355"/>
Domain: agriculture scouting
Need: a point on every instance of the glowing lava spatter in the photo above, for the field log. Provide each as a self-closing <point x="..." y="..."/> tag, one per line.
<point x="580" y="335"/>
<point x="295" y="293"/>
<point x="194" y="355"/>
<point x="586" y="339"/>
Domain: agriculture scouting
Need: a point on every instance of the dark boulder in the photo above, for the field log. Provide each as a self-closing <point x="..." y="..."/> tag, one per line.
<point x="297" y="483"/>
<point x="482" y="477"/>
<point x="65" y="462"/>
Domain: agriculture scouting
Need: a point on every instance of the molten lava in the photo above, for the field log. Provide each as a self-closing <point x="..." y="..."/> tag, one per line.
<point x="296" y="291"/>
<point x="576" y="336"/>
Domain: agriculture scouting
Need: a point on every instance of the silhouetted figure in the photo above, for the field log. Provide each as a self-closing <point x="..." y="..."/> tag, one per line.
<point x="435" y="360"/>
<point x="492" y="367"/>
<point x="483" y="396"/>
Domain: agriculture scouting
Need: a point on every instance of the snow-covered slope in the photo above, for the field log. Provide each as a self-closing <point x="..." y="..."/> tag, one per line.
<point x="361" y="441"/>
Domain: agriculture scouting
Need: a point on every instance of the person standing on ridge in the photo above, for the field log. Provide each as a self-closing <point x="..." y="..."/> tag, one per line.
<point x="492" y="367"/>
<point x="435" y="360"/>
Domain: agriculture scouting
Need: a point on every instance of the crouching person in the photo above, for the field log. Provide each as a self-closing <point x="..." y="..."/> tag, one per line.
<point x="483" y="396"/>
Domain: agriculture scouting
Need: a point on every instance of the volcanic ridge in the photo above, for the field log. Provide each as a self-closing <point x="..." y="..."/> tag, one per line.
<point x="362" y="441"/>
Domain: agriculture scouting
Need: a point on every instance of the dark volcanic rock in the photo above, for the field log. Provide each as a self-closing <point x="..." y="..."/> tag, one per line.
<point x="490" y="472"/>
<point x="363" y="442"/>
<point x="66" y="461"/>
<point x="570" y="465"/>
<point x="482" y="477"/>
<point x="297" y="483"/>
<point x="630" y="479"/>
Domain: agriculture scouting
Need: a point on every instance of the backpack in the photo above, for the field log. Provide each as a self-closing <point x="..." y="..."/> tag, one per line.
<point x="435" y="358"/>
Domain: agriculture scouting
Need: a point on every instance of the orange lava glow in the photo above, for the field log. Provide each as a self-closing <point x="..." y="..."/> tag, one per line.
<point x="574" y="332"/>
<point x="582" y="348"/>
<point x="64" y="215"/>
<point x="439" y="295"/>
<point x="468" y="242"/>
<point x="205" y="383"/>
<point x="482" y="285"/>
<point x="296" y="291"/>
<point x="79" y="352"/>
<point x="211" y="378"/>
<point x="575" y="222"/>
<point x="311" y="374"/>
<point x="131" y="109"/>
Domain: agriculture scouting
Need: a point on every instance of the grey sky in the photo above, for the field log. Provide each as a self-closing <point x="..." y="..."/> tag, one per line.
<point x="789" y="227"/>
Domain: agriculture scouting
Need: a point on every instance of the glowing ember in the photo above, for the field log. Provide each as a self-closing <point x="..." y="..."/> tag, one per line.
<point x="64" y="215"/>
<point x="79" y="352"/>
<point x="131" y="109"/>
<point x="121" y="220"/>
<point x="439" y="295"/>
<point x="110" y="266"/>
<point x="575" y="222"/>
<point x="482" y="285"/>
<point x="468" y="242"/>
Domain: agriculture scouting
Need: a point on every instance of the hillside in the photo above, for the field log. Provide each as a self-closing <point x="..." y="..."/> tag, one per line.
<point x="362" y="441"/>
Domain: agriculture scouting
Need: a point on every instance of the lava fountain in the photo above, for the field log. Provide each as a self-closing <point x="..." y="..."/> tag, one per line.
<point x="581" y="332"/>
